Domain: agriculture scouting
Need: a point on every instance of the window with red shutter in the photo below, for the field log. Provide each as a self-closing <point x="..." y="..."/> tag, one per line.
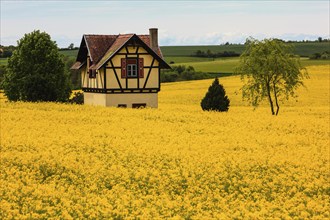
<point x="123" y="68"/>
<point x="131" y="68"/>
<point x="141" y="68"/>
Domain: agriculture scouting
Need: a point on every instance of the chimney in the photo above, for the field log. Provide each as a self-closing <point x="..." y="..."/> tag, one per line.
<point x="153" y="33"/>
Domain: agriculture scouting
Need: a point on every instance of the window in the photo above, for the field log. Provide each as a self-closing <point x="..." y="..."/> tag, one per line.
<point x="92" y="73"/>
<point x="139" y="105"/>
<point x="131" y="70"/>
<point x="122" y="106"/>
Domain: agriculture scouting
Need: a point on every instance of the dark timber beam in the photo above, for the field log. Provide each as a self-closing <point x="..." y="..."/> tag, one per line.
<point x="115" y="72"/>
<point x="145" y="83"/>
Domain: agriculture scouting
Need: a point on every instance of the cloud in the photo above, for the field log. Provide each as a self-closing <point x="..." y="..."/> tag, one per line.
<point x="216" y="38"/>
<point x="167" y="39"/>
<point x="179" y="22"/>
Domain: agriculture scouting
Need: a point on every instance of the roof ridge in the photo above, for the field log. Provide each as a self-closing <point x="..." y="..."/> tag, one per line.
<point x="103" y="47"/>
<point x="125" y="34"/>
<point x="105" y="51"/>
<point x="100" y="34"/>
<point x="108" y="50"/>
<point x="98" y="44"/>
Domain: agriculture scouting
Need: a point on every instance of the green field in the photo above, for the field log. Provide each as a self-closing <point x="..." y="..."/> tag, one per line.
<point x="307" y="62"/>
<point x="174" y="60"/>
<point x="307" y="49"/>
<point x="224" y="65"/>
<point x="227" y="65"/>
<point x="301" y="49"/>
<point x="70" y="53"/>
<point x="169" y="51"/>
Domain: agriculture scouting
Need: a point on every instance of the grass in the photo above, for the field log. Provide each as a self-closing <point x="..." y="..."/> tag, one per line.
<point x="307" y="49"/>
<point x="186" y="59"/>
<point x="307" y="62"/>
<point x="3" y="61"/>
<point x="301" y="49"/>
<point x="189" y="50"/>
<point x="224" y="65"/>
<point x="227" y="65"/>
<point x="70" y="53"/>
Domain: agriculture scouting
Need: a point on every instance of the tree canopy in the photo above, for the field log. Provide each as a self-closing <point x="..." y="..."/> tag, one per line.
<point x="36" y="71"/>
<point x="269" y="70"/>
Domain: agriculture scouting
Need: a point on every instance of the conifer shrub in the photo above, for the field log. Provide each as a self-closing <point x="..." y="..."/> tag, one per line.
<point x="215" y="98"/>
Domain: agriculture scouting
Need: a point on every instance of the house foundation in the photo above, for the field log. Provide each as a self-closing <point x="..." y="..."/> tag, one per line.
<point x="133" y="100"/>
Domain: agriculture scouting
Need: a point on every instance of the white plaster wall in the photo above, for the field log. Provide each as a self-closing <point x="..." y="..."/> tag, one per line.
<point x="95" y="98"/>
<point x="151" y="99"/>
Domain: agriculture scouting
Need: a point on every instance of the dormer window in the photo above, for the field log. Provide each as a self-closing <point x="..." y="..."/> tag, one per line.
<point x="131" y="70"/>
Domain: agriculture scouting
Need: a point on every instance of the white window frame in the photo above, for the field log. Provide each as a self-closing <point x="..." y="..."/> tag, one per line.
<point x="132" y="70"/>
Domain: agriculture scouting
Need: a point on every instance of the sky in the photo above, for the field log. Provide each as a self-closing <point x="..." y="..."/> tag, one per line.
<point x="179" y="22"/>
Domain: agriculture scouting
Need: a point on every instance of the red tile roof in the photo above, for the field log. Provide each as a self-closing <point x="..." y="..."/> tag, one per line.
<point x="146" y="40"/>
<point x="77" y="65"/>
<point x="102" y="47"/>
<point x="98" y="44"/>
<point x="120" y="41"/>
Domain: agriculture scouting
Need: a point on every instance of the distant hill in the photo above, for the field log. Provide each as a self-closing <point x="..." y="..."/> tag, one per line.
<point x="304" y="49"/>
<point x="70" y="53"/>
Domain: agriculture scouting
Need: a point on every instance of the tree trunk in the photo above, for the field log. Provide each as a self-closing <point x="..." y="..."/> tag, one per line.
<point x="276" y="101"/>
<point x="270" y="99"/>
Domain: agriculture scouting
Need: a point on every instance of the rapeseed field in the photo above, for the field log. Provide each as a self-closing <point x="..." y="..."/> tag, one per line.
<point x="64" y="161"/>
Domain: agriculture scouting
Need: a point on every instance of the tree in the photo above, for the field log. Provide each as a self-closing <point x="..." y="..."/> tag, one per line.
<point x="75" y="77"/>
<point x="209" y="53"/>
<point x="36" y="71"/>
<point x="2" y="73"/>
<point x="71" y="46"/>
<point x="215" y="98"/>
<point x="269" y="70"/>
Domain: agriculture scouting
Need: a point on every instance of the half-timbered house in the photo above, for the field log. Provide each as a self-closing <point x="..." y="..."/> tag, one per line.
<point x="120" y="70"/>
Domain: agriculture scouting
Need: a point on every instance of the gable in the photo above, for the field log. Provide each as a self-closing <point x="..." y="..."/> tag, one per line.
<point x="131" y="40"/>
<point x="100" y="49"/>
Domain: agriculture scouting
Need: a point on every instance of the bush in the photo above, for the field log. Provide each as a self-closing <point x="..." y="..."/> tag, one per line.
<point x="215" y="98"/>
<point x="78" y="98"/>
<point x="182" y="73"/>
<point x="35" y="71"/>
<point x="210" y="54"/>
<point x="75" y="77"/>
<point x="324" y="56"/>
<point x="168" y="76"/>
<point x="2" y="74"/>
